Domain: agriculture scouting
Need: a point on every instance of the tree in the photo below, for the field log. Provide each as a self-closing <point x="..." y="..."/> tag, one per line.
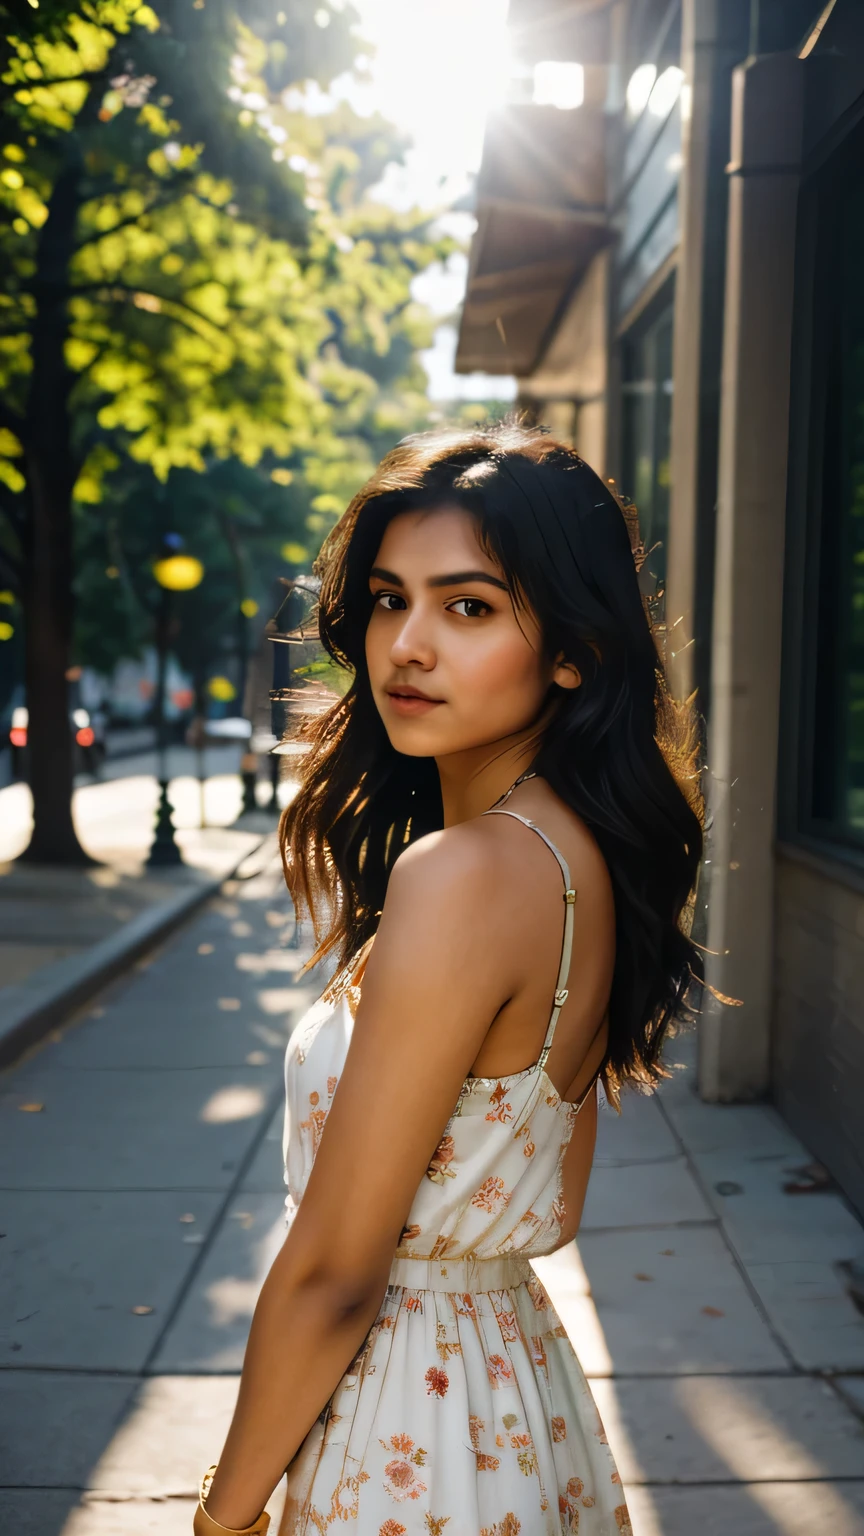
<point x="178" y="292"/>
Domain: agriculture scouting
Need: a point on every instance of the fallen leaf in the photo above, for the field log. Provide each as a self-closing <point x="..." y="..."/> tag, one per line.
<point x="31" y="1109"/>
<point x="141" y="1311"/>
<point x="713" y="1312"/>
<point x="667" y="1253"/>
<point x="187" y="1216"/>
<point x="813" y="1178"/>
<point x="229" y="1004"/>
<point x="206" y="949"/>
<point x="643" y="1277"/>
<point x="257" y="1059"/>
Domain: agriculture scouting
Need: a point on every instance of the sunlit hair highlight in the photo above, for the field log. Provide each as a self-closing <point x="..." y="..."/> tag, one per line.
<point x="619" y="749"/>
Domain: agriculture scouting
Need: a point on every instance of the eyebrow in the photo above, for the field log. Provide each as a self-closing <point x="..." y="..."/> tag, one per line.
<point x="454" y="579"/>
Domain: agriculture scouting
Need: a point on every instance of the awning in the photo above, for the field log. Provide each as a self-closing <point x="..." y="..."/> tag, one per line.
<point x="541" y="219"/>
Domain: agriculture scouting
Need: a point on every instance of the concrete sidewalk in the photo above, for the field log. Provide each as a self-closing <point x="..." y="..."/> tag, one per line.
<point x="143" y="1202"/>
<point x="711" y="1309"/>
<point x="64" y="932"/>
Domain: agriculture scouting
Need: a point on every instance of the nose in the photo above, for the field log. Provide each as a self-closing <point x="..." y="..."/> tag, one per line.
<point x="411" y="644"/>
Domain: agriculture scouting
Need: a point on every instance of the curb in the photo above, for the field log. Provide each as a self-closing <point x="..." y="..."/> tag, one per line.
<point x="31" y="1008"/>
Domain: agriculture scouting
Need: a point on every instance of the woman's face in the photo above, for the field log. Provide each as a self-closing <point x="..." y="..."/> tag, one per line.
<point x="451" y="666"/>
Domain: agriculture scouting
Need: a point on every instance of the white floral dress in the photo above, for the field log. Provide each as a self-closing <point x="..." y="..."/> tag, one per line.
<point x="466" y="1412"/>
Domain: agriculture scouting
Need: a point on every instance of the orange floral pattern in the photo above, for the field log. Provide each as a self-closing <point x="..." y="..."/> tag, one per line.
<point x="537" y="1294"/>
<point x="401" y="1479"/>
<point x="510" y="1330"/>
<point x="437" y="1382"/>
<point x="313" y="1125"/>
<point x="439" y="1167"/>
<point x="498" y="1370"/>
<point x="498" y="1108"/>
<point x="509" y="1526"/>
<point x="490" y="1195"/>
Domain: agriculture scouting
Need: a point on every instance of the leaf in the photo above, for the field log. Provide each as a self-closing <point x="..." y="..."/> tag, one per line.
<point x="31" y="1109"/>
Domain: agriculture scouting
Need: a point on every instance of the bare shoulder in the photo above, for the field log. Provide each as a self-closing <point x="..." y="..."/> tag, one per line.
<point x="461" y="863"/>
<point x="441" y="935"/>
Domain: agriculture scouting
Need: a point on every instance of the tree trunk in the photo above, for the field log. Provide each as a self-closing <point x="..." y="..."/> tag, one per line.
<point x="48" y="574"/>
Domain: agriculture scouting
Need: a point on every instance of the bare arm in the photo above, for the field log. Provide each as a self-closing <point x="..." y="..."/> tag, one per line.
<point x="436" y="977"/>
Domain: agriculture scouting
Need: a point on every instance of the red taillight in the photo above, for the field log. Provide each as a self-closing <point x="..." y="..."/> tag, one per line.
<point x="85" y="737"/>
<point x="18" y="737"/>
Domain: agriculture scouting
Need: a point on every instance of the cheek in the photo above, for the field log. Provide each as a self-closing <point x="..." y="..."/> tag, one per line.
<point x="504" y="668"/>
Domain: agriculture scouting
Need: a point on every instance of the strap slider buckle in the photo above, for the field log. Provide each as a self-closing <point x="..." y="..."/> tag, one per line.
<point x="570" y="897"/>
<point x="561" y="997"/>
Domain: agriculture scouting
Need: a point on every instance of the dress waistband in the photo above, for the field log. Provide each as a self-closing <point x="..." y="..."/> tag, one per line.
<point x="474" y="1274"/>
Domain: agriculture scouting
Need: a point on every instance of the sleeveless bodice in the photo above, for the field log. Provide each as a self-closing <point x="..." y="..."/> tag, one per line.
<point x="493" y="1185"/>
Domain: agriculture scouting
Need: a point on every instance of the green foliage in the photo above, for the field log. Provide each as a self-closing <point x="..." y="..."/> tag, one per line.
<point x="232" y="303"/>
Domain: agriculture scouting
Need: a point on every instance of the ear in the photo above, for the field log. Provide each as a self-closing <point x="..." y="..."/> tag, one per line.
<point x="565" y="673"/>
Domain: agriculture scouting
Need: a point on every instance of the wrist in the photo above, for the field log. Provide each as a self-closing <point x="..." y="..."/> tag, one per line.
<point x="205" y="1525"/>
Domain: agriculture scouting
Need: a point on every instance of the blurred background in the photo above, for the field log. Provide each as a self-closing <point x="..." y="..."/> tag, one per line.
<point x="245" y="249"/>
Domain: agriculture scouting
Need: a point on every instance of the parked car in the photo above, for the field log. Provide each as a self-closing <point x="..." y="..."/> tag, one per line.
<point x="88" y="733"/>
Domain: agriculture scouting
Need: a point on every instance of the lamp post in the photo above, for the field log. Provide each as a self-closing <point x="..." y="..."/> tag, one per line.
<point x="174" y="573"/>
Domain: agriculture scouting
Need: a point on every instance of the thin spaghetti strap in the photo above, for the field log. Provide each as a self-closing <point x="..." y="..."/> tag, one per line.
<point x="583" y="1097"/>
<point x="561" y="990"/>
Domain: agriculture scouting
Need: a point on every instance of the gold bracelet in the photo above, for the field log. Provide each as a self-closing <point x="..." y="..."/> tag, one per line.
<point x="205" y="1525"/>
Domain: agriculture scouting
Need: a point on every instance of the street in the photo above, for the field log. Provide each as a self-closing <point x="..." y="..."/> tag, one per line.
<point x="142" y="1203"/>
<point x="115" y="813"/>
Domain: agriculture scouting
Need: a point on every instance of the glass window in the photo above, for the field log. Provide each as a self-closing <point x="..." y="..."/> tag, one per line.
<point x="647" y="427"/>
<point x="838" y="693"/>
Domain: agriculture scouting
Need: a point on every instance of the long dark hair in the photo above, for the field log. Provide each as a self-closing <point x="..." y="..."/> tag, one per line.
<point x="617" y="749"/>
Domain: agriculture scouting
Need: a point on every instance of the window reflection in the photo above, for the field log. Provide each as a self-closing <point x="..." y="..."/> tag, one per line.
<point x="647" y="392"/>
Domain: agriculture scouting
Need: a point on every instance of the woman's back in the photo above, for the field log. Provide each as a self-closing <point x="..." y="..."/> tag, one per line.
<point x="467" y="1369"/>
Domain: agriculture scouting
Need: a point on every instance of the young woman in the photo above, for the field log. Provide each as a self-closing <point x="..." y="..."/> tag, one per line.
<point x="504" y="802"/>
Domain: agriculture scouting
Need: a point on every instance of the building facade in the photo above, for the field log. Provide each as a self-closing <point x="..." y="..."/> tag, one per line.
<point x="671" y="261"/>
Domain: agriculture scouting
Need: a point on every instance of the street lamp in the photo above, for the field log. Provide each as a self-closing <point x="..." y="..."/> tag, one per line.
<point x="174" y="573"/>
<point x="292" y="624"/>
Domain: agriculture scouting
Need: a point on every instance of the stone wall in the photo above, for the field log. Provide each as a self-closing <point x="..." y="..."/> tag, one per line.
<point x="818" y="1036"/>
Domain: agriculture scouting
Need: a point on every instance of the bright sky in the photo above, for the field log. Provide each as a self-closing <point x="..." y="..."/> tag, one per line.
<point x="438" y="68"/>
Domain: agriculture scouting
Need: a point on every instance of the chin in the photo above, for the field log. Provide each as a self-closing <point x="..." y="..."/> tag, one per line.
<point x="410" y="740"/>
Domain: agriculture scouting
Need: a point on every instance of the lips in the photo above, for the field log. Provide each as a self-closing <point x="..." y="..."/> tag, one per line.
<point x="406" y="692"/>
<point x="405" y="700"/>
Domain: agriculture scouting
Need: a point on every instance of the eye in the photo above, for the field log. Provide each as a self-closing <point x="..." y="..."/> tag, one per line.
<point x="389" y="601"/>
<point x="470" y="607"/>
